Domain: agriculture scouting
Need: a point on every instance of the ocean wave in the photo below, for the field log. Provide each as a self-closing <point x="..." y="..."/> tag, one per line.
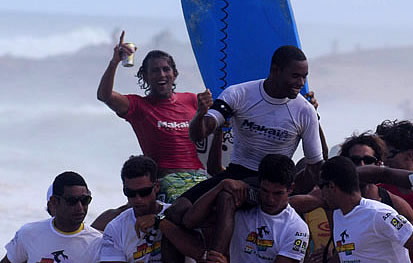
<point x="52" y="45"/>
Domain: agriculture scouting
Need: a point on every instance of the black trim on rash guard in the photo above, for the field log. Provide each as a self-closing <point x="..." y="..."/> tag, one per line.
<point x="222" y="107"/>
<point x="385" y="197"/>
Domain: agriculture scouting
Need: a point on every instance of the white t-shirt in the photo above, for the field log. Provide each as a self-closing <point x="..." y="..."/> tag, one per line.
<point x="260" y="237"/>
<point x="121" y="243"/>
<point x="264" y="125"/>
<point x="40" y="242"/>
<point x="371" y="232"/>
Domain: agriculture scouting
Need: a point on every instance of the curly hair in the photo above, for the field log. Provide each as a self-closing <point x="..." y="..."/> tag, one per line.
<point x="366" y="138"/>
<point x="398" y="134"/>
<point x="143" y="69"/>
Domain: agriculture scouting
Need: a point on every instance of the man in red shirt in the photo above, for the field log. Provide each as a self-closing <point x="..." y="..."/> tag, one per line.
<point x="160" y="120"/>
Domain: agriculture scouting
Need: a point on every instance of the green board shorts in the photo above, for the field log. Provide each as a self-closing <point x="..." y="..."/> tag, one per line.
<point x="174" y="184"/>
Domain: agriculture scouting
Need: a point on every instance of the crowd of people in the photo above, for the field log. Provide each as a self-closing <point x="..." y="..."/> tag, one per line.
<point x="355" y="207"/>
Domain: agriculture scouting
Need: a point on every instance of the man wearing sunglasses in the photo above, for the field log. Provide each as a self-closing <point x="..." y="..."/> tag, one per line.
<point x="369" y="149"/>
<point x="364" y="230"/>
<point x="137" y="233"/>
<point x="398" y="136"/>
<point x="63" y="238"/>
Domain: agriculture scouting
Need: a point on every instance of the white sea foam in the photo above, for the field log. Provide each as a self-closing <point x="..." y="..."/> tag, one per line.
<point x="60" y="43"/>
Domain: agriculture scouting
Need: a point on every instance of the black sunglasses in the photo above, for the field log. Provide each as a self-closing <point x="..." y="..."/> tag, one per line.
<point x="72" y="200"/>
<point x="367" y="159"/>
<point x="141" y="192"/>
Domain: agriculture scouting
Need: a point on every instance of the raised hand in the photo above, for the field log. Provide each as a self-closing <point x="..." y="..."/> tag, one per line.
<point x="204" y="101"/>
<point x="312" y="99"/>
<point x="121" y="49"/>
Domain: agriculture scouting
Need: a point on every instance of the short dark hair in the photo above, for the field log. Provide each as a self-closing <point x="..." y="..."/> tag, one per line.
<point x="366" y="138"/>
<point x="143" y="69"/>
<point x="342" y="171"/>
<point x="137" y="166"/>
<point x="67" y="178"/>
<point x="285" y="54"/>
<point x="277" y="168"/>
<point x="398" y="134"/>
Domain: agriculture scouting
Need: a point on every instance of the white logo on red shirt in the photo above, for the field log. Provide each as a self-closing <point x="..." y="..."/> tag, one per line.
<point x="173" y="125"/>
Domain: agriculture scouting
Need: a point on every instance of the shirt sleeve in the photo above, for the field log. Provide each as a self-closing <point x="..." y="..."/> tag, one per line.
<point x="311" y="137"/>
<point x="295" y="241"/>
<point x="394" y="227"/>
<point x="16" y="252"/>
<point x="111" y="248"/>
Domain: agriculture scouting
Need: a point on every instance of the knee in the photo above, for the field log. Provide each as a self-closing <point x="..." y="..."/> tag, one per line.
<point x="225" y="201"/>
<point x="177" y="210"/>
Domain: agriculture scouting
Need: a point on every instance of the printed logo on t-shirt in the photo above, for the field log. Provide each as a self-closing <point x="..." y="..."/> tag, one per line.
<point x="257" y="244"/>
<point x="276" y="134"/>
<point x="300" y="246"/>
<point x="145" y="249"/>
<point x="397" y="221"/>
<point x="173" y="125"/>
<point x="57" y="256"/>
<point x="342" y="247"/>
<point x="257" y="238"/>
<point x="151" y="246"/>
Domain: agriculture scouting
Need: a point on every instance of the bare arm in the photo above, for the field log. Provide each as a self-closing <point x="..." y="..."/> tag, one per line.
<point x="200" y="125"/>
<point x="195" y="216"/>
<point x="116" y="101"/>
<point x="409" y="244"/>
<point x="5" y="260"/>
<point x="188" y="242"/>
<point x="214" y="162"/>
<point x="103" y="219"/>
<point x="282" y="259"/>
<point x="306" y="203"/>
<point x="324" y="144"/>
<point x="310" y="96"/>
<point x="376" y="174"/>
<point x="402" y="207"/>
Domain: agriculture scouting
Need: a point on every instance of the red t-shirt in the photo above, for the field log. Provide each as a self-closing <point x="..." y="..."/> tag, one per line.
<point x="162" y="129"/>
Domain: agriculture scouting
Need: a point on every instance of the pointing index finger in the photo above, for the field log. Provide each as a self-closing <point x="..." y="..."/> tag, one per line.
<point x="121" y="37"/>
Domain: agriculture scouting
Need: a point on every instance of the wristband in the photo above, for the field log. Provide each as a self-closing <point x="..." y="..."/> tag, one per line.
<point x="158" y="219"/>
<point x="411" y="180"/>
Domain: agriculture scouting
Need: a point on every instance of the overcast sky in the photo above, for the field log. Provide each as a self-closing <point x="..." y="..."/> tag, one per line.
<point x="353" y="12"/>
